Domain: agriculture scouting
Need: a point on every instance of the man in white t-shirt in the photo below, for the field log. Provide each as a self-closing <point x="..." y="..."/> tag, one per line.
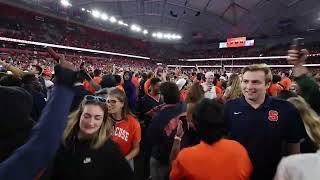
<point x="208" y="86"/>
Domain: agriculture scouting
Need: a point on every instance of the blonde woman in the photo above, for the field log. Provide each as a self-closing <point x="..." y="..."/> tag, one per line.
<point x="88" y="151"/>
<point x="303" y="166"/>
<point x="233" y="90"/>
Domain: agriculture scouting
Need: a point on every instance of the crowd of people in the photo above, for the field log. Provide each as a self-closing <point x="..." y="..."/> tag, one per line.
<point x="23" y="56"/>
<point x="66" y="118"/>
<point x="69" y="114"/>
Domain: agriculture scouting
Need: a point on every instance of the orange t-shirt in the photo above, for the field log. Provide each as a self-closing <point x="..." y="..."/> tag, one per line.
<point x="146" y="86"/>
<point x="135" y="81"/>
<point x="88" y="87"/>
<point x="183" y="95"/>
<point x="225" y="159"/>
<point x="286" y="83"/>
<point x="219" y="84"/>
<point x="126" y="133"/>
<point x="274" y="89"/>
<point x="219" y="91"/>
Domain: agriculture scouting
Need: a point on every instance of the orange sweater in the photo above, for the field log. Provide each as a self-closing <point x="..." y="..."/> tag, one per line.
<point x="225" y="160"/>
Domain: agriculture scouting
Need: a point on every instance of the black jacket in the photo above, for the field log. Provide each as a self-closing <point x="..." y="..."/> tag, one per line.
<point x="78" y="161"/>
<point x="160" y="133"/>
<point x="145" y="105"/>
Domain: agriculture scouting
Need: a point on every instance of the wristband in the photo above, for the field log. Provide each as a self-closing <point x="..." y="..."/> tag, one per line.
<point x="177" y="138"/>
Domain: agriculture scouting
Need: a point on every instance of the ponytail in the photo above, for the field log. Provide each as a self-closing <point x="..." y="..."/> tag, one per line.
<point x="309" y="117"/>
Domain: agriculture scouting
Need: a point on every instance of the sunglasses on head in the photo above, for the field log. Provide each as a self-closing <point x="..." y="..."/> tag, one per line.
<point x="95" y="98"/>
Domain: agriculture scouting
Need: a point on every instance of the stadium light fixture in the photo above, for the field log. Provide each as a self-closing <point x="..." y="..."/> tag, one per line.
<point x="138" y="29"/>
<point x="83" y="9"/>
<point x="145" y="32"/>
<point x="135" y="28"/>
<point x="120" y="22"/>
<point x="104" y="16"/>
<point x="159" y="35"/>
<point x="176" y="36"/>
<point x="96" y="13"/>
<point x="113" y="19"/>
<point x="167" y="36"/>
<point x="65" y="3"/>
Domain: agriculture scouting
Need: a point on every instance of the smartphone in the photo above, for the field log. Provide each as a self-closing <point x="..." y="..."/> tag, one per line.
<point x="297" y="43"/>
<point x="184" y="121"/>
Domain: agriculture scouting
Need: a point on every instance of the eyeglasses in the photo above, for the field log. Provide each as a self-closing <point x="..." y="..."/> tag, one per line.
<point x="95" y="98"/>
<point x="112" y="102"/>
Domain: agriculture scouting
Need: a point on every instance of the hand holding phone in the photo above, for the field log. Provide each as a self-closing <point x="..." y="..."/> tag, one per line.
<point x="296" y="54"/>
<point x="297" y="44"/>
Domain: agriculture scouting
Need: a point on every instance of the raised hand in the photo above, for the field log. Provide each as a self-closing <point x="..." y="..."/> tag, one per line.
<point x="297" y="57"/>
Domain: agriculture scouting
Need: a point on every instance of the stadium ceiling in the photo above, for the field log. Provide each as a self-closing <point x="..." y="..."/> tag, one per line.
<point x="213" y="19"/>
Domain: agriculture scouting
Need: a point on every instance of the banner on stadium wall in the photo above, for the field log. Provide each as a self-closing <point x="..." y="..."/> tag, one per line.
<point x="236" y="44"/>
<point x="223" y="45"/>
<point x="249" y="43"/>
